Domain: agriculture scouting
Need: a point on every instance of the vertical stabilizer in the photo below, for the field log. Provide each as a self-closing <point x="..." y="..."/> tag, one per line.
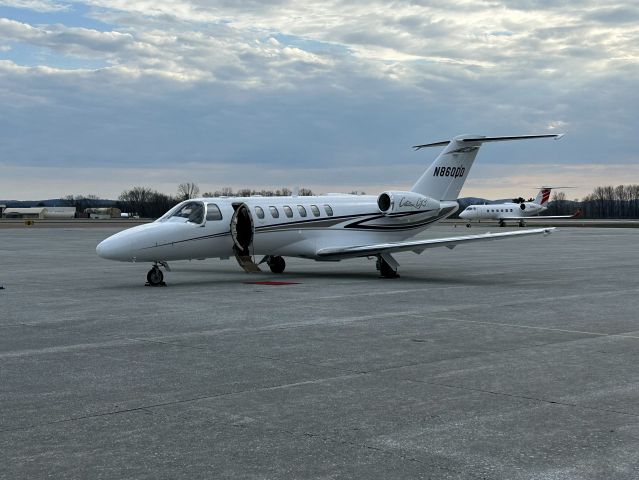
<point x="444" y="179"/>
<point x="543" y="196"/>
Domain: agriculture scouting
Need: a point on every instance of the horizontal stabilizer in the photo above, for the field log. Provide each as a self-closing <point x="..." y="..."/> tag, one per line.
<point x="505" y="139"/>
<point x="479" y="139"/>
<point x="436" y="144"/>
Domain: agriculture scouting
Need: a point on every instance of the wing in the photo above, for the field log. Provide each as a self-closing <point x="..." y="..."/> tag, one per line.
<point x="418" y="246"/>
<point x="542" y="217"/>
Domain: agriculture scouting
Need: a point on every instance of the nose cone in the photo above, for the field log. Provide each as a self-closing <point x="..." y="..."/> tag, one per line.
<point x="133" y="244"/>
<point x="463" y="214"/>
<point x="111" y="249"/>
<point x="123" y="246"/>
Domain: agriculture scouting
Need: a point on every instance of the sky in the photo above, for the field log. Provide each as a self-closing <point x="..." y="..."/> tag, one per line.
<point x="99" y="96"/>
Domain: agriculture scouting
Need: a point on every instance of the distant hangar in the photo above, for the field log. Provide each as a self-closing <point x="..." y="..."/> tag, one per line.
<point x="33" y="213"/>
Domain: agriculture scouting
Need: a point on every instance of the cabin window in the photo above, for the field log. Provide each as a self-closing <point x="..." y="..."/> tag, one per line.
<point x="328" y="210"/>
<point x="315" y="210"/>
<point x="302" y="210"/>
<point x="275" y="213"/>
<point x="259" y="212"/>
<point x="213" y="212"/>
<point x="288" y="211"/>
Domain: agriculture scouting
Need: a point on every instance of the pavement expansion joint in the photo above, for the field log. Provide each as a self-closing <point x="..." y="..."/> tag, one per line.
<point x="174" y="402"/>
<point x="523" y="397"/>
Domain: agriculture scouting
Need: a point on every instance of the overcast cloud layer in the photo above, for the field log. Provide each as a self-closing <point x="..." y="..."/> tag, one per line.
<point x="99" y="96"/>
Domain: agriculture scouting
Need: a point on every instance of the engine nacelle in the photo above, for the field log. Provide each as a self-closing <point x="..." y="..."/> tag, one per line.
<point x="395" y="203"/>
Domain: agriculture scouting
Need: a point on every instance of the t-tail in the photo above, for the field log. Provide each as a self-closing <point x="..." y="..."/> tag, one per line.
<point x="444" y="179"/>
<point x="543" y="196"/>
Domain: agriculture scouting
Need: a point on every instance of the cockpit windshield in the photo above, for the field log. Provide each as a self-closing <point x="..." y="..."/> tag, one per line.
<point x="190" y="211"/>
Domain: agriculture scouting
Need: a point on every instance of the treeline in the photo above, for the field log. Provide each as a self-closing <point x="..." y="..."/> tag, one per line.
<point x="621" y="201"/>
<point x="149" y="203"/>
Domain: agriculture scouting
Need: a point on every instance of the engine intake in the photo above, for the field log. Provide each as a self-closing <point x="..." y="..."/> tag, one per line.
<point x="394" y="203"/>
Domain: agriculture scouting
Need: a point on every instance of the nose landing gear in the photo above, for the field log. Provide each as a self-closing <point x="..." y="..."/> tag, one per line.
<point x="155" y="277"/>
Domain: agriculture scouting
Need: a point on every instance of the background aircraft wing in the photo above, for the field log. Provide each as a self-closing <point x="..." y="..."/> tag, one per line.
<point x="544" y="217"/>
<point x="418" y="246"/>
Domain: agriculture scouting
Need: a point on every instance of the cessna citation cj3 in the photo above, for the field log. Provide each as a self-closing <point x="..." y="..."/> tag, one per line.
<point x="322" y="228"/>
<point x="518" y="210"/>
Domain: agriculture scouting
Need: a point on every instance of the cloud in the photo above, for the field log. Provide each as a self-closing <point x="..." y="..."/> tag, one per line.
<point x="338" y="84"/>
<point x="36" y="5"/>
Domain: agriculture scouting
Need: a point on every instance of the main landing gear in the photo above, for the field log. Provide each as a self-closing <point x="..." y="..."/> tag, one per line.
<point x="155" y="277"/>
<point x="277" y="264"/>
<point x="387" y="266"/>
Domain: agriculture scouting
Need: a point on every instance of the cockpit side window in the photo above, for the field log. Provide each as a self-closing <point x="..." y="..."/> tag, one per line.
<point x="191" y="211"/>
<point x="213" y="212"/>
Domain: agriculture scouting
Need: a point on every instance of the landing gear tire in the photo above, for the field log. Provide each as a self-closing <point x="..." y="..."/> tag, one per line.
<point x="277" y="264"/>
<point x="522" y="223"/>
<point x="501" y="223"/>
<point x="385" y="270"/>
<point x="155" y="277"/>
<point x="468" y="225"/>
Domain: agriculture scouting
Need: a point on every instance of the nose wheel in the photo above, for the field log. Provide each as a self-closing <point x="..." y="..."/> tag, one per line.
<point x="155" y="277"/>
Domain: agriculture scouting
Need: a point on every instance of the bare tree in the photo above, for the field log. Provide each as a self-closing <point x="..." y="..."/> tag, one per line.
<point x="135" y="200"/>
<point x="187" y="190"/>
<point x="159" y="203"/>
<point x="559" y="201"/>
<point x="82" y="202"/>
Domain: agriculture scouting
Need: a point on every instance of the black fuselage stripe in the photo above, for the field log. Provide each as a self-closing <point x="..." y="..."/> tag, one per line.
<point x="204" y="237"/>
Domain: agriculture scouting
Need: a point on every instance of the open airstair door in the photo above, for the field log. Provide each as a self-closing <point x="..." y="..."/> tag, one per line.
<point x="242" y="231"/>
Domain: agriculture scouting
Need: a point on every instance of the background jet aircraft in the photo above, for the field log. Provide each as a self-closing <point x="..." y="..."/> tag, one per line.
<point x="519" y="210"/>
<point x="321" y="228"/>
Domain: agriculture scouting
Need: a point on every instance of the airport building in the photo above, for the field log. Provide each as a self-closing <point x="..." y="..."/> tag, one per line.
<point x="34" y="213"/>
<point x="26" y="213"/>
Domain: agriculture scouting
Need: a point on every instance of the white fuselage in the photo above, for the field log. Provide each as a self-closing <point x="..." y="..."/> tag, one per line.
<point x="499" y="211"/>
<point x="297" y="226"/>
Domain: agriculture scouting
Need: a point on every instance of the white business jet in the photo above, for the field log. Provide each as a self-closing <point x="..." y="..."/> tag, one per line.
<point x="321" y="228"/>
<point x="518" y="210"/>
